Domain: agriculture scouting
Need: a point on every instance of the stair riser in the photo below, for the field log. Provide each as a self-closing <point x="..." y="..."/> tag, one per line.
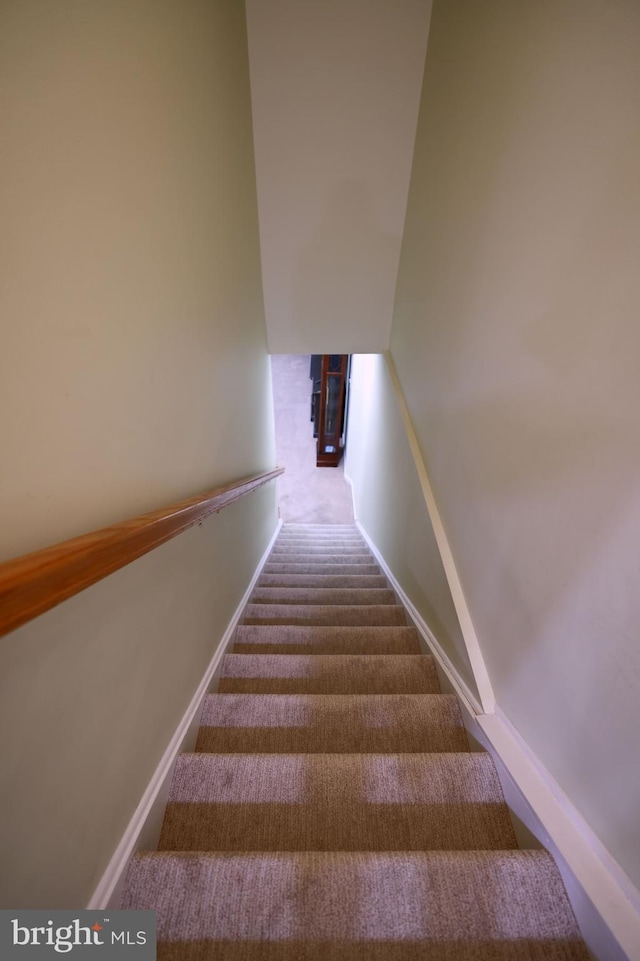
<point x="331" y="530"/>
<point x="327" y="674"/>
<point x="340" y="547"/>
<point x="334" y="667"/>
<point x="286" y="639"/>
<point x="267" y="685"/>
<point x="321" y="560"/>
<point x="324" y="647"/>
<point x="329" y="595"/>
<point x="322" y="541"/>
<point x="309" y="568"/>
<point x="380" y="616"/>
<point x="331" y="550"/>
<point x="294" y="949"/>
<point x="323" y="581"/>
<point x="310" y="547"/>
<point x="273" y="827"/>
<point x="281" y="741"/>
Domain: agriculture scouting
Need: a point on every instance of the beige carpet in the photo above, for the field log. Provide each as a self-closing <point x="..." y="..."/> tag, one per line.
<point x="332" y="808"/>
<point x="307" y="493"/>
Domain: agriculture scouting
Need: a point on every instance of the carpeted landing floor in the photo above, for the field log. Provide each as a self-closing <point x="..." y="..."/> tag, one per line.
<point x="332" y="808"/>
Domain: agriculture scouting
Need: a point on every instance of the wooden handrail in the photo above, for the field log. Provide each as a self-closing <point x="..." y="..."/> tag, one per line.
<point x="34" y="583"/>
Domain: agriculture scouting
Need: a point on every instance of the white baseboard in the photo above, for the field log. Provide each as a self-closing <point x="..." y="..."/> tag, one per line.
<point x="143" y="830"/>
<point x="605" y="901"/>
<point x="486" y="694"/>
<point x="433" y="645"/>
<point x="353" y="493"/>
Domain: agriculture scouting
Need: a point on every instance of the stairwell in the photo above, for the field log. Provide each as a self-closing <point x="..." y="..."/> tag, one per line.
<point x="332" y="808"/>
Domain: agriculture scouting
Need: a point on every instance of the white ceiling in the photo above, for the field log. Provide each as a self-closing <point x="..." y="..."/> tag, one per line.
<point x="335" y="88"/>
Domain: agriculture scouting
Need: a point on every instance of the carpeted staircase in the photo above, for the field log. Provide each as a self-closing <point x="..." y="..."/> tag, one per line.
<point x="332" y="808"/>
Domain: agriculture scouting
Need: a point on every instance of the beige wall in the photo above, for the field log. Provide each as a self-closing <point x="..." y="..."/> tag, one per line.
<point x="516" y="339"/>
<point x="133" y="371"/>
<point x="133" y="348"/>
<point x="92" y="692"/>
<point x="336" y="88"/>
<point x="390" y="504"/>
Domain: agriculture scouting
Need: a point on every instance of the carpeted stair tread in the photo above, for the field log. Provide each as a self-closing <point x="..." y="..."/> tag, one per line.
<point x="311" y="568"/>
<point x="301" y="545"/>
<point x="329" y="550"/>
<point x="331" y="724"/>
<point x="321" y="530"/>
<point x="328" y="674"/>
<point x="336" y="802"/>
<point x="333" y="615"/>
<point x="323" y="595"/>
<point x="292" y="537"/>
<point x="332" y="810"/>
<point x="357" y="897"/>
<point x="523" y="949"/>
<point x="321" y="560"/>
<point x="345" y="582"/>
<point x="329" y="530"/>
<point x="289" y="545"/>
<point x="289" y="639"/>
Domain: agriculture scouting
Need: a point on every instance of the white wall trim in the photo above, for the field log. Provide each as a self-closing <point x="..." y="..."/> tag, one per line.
<point x="143" y="830"/>
<point x="500" y="728"/>
<point x="353" y="497"/>
<point x="605" y="901"/>
<point x="462" y="690"/>
<point x="478" y="666"/>
<point x="609" y="915"/>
